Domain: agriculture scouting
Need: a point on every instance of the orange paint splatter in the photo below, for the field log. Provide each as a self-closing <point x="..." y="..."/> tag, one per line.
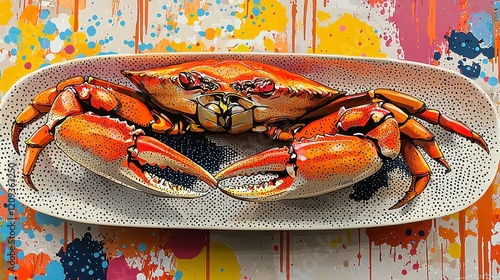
<point x="304" y="23"/>
<point x="447" y="234"/>
<point x="32" y="265"/>
<point x="314" y="23"/>
<point x="30" y="223"/>
<point x="462" y="232"/>
<point x="431" y="22"/>
<point x="294" y="23"/>
<point x="375" y="3"/>
<point x="30" y="14"/>
<point x="400" y="235"/>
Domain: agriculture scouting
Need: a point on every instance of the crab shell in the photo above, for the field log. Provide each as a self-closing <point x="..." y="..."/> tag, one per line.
<point x="232" y="96"/>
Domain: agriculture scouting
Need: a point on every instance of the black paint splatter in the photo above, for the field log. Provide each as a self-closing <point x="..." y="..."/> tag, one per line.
<point x="196" y="147"/>
<point x="84" y="259"/>
<point x="367" y="188"/>
<point x="467" y="45"/>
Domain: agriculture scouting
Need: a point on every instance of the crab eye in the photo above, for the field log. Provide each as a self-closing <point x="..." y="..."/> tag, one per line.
<point x="264" y="87"/>
<point x="189" y="81"/>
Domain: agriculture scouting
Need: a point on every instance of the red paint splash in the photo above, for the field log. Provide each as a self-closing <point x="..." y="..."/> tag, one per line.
<point x="187" y="244"/>
<point x="400" y="235"/>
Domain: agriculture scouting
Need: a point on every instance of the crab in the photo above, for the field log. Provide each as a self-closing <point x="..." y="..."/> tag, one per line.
<point x="331" y="139"/>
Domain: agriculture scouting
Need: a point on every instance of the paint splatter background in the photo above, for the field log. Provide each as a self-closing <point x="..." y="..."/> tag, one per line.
<point x="461" y="35"/>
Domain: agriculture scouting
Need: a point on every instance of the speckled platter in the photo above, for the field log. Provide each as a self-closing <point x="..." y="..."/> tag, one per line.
<point x="69" y="191"/>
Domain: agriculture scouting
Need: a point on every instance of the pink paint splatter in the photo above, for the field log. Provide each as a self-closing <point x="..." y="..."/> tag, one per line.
<point x="404" y="272"/>
<point x="27" y="65"/>
<point x="342" y="28"/>
<point x="69" y="49"/>
<point x="118" y="269"/>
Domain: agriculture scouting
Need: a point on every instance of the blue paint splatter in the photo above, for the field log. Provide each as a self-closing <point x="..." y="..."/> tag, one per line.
<point x="143" y="46"/>
<point x="13" y="36"/>
<point x="43" y="219"/>
<point x="49" y="28"/>
<point x="130" y="43"/>
<point x="44" y="42"/>
<point x="142" y="247"/>
<point x="178" y="275"/>
<point x="492" y="81"/>
<point x="200" y="12"/>
<point x="467" y="45"/>
<point x="230" y="28"/>
<point x="66" y="33"/>
<point x="437" y="56"/>
<point x="53" y="270"/>
<point x="255" y="11"/>
<point x="472" y="71"/>
<point x="49" y="237"/>
<point x="91" y="31"/>
<point x="44" y="14"/>
<point x="79" y="261"/>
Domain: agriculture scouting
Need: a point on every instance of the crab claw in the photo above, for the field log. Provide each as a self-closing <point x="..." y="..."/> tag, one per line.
<point x="121" y="153"/>
<point x="306" y="168"/>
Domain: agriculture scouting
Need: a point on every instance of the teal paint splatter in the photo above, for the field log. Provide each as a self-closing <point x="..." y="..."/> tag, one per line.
<point x="49" y="28"/>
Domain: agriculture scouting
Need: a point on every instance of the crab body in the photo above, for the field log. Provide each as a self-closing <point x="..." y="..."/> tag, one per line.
<point x="331" y="139"/>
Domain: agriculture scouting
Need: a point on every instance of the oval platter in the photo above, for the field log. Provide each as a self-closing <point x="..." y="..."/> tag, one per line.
<point x="71" y="192"/>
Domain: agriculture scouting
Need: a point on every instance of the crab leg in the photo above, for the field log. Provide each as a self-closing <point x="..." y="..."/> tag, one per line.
<point x="99" y="94"/>
<point x="419" y="169"/>
<point x="404" y="103"/>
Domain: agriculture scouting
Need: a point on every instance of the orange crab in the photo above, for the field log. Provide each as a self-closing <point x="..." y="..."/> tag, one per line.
<point x="334" y="139"/>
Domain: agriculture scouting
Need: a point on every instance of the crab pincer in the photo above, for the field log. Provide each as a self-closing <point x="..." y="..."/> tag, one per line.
<point x="307" y="168"/>
<point x="119" y="152"/>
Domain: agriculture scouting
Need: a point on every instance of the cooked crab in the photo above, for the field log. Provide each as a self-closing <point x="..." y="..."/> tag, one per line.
<point x="333" y="139"/>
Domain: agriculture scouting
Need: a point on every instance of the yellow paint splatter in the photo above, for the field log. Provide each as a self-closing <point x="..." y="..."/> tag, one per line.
<point x="223" y="264"/>
<point x="165" y="45"/>
<point x="30" y="53"/>
<point x="257" y="18"/>
<point x="334" y="244"/>
<point x="348" y="36"/>
<point x="240" y="48"/>
<point x="454" y="250"/>
<point x="323" y="16"/>
<point x="5" y="11"/>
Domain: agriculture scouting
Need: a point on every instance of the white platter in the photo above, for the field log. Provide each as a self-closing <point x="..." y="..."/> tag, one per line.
<point x="71" y="192"/>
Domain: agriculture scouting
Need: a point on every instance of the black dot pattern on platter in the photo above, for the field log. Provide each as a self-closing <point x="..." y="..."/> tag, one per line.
<point x="72" y="192"/>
